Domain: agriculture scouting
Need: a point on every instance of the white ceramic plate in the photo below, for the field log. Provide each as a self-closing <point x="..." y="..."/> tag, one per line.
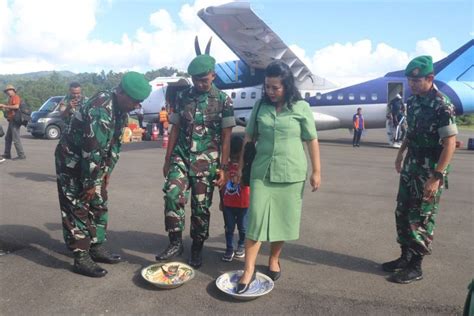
<point x="227" y="283"/>
<point x="168" y="275"/>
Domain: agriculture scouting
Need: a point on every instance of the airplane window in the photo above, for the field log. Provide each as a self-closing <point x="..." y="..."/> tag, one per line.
<point x="329" y="97"/>
<point x="362" y="96"/>
<point x="232" y="95"/>
<point x="351" y="96"/>
<point x="318" y="96"/>
<point x="373" y="96"/>
<point x="340" y="96"/>
<point x="306" y="95"/>
<point x="243" y="95"/>
<point x="253" y="95"/>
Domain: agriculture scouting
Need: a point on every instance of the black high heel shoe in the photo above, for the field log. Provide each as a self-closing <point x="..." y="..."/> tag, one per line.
<point x="274" y="275"/>
<point x="243" y="287"/>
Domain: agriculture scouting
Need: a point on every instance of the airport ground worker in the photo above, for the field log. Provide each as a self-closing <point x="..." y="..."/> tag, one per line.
<point x="85" y="157"/>
<point x="196" y="157"/>
<point x="13" y="131"/>
<point x="430" y="143"/>
<point x="358" y="124"/>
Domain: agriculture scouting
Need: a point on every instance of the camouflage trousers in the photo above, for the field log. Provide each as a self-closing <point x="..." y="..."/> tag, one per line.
<point x="176" y="189"/>
<point x="415" y="217"/>
<point x="83" y="223"/>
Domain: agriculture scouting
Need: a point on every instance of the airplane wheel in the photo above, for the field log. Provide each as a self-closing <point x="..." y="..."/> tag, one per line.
<point x="53" y="132"/>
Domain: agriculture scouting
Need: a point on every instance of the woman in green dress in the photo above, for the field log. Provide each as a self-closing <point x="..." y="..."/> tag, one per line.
<point x="281" y="122"/>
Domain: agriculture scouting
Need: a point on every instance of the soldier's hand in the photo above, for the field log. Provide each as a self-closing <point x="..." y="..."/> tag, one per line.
<point x="106" y="180"/>
<point x="88" y="194"/>
<point x="221" y="178"/>
<point x="430" y="189"/>
<point x="398" y="162"/>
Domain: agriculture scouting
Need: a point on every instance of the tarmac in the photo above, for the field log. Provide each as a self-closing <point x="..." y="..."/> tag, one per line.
<point x="347" y="231"/>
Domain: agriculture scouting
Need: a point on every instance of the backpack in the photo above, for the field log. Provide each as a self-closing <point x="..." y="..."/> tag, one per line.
<point x="23" y="114"/>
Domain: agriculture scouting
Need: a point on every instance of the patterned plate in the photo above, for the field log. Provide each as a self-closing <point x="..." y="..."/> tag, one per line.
<point x="168" y="275"/>
<point x="227" y="283"/>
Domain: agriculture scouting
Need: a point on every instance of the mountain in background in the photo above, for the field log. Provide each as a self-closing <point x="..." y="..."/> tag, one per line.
<point x="35" y="75"/>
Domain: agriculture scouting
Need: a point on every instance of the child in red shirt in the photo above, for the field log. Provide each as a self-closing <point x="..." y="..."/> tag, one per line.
<point x="235" y="200"/>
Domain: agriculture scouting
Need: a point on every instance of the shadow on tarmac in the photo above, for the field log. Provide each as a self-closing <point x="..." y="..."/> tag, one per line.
<point x="38" y="177"/>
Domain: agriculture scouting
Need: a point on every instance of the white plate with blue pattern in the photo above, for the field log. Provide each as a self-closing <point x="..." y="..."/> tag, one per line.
<point x="227" y="283"/>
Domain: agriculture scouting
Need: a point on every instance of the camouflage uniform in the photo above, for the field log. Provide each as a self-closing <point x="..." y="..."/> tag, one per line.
<point x="195" y="157"/>
<point x="86" y="152"/>
<point x="430" y="119"/>
<point x="66" y="101"/>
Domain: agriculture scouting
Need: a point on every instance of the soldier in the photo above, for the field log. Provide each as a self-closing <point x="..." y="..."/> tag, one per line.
<point x="196" y="157"/>
<point x="430" y="144"/>
<point x="72" y="102"/>
<point x="85" y="157"/>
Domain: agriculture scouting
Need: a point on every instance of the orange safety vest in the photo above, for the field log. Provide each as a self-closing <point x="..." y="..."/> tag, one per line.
<point x="163" y="116"/>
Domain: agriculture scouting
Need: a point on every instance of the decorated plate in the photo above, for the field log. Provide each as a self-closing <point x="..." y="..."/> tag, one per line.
<point x="227" y="283"/>
<point x="168" y="275"/>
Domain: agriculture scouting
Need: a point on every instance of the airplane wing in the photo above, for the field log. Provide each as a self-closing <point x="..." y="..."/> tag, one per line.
<point x="254" y="42"/>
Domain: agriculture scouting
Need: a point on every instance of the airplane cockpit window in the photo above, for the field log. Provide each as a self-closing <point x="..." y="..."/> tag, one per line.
<point x="243" y="95"/>
<point x="318" y="96"/>
<point x="232" y="95"/>
<point x="374" y="96"/>
<point x="340" y="96"/>
<point x="306" y="95"/>
<point x="253" y="95"/>
<point x="351" y="96"/>
<point x="362" y="96"/>
<point x="329" y="97"/>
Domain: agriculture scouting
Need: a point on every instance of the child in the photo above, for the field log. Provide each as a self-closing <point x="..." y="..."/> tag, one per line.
<point x="235" y="199"/>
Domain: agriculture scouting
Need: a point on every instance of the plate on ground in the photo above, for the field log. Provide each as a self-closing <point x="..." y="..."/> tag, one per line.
<point x="227" y="283"/>
<point x="168" y="275"/>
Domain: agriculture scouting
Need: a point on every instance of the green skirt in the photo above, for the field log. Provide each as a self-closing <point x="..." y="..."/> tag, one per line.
<point x="275" y="210"/>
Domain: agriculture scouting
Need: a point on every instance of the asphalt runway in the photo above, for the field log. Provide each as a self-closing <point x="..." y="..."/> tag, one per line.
<point x="347" y="230"/>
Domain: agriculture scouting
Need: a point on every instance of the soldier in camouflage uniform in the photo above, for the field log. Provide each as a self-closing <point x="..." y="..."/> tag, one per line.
<point x="72" y="102"/>
<point x="430" y="144"/>
<point x="85" y="157"/>
<point x="196" y="157"/>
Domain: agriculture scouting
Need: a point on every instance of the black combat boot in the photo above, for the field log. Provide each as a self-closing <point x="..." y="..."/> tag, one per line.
<point x="84" y="265"/>
<point x="100" y="254"/>
<point x="196" y="254"/>
<point x="400" y="263"/>
<point x="175" y="248"/>
<point x="411" y="273"/>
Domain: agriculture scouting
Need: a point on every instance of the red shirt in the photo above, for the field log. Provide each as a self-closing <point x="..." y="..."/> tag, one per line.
<point x="235" y="195"/>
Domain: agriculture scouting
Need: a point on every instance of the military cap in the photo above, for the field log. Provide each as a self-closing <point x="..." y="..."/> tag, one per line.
<point x="135" y="85"/>
<point x="201" y="65"/>
<point x="420" y="66"/>
<point x="9" y="87"/>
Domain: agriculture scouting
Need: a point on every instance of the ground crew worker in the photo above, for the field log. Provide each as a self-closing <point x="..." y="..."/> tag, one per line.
<point x="85" y="157"/>
<point x="13" y="131"/>
<point x="72" y="102"/>
<point x="430" y="144"/>
<point x="196" y="157"/>
<point x="163" y="120"/>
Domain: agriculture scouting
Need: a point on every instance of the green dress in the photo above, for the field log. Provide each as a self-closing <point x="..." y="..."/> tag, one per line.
<point x="279" y="170"/>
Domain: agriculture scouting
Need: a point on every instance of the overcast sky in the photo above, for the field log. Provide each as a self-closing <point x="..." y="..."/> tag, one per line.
<point x="344" y="41"/>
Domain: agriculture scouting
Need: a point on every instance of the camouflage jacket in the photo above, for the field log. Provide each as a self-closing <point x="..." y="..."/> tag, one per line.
<point x="430" y="118"/>
<point x="93" y="140"/>
<point x="70" y="110"/>
<point x="201" y="118"/>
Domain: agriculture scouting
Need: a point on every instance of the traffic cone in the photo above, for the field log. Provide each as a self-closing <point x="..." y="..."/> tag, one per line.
<point x="154" y="133"/>
<point x="165" y="139"/>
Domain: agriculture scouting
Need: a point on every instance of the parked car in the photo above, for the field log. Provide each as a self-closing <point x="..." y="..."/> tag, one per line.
<point x="47" y="122"/>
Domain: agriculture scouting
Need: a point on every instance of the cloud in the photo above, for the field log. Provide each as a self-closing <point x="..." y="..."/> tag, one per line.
<point x="351" y="63"/>
<point x="36" y="38"/>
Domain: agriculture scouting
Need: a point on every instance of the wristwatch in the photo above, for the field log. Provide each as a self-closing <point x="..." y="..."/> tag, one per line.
<point x="225" y="167"/>
<point x="438" y="175"/>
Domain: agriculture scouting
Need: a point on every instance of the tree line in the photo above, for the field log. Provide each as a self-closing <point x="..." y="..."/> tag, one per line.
<point x="35" y="88"/>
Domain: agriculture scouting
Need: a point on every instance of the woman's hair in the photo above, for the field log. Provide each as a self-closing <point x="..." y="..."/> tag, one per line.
<point x="236" y="144"/>
<point x="278" y="68"/>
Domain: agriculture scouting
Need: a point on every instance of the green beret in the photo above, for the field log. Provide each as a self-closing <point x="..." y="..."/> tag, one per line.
<point x="135" y="85"/>
<point x="201" y="65"/>
<point x="420" y="66"/>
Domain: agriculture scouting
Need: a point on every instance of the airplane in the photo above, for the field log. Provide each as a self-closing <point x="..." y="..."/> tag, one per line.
<point x="237" y="25"/>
